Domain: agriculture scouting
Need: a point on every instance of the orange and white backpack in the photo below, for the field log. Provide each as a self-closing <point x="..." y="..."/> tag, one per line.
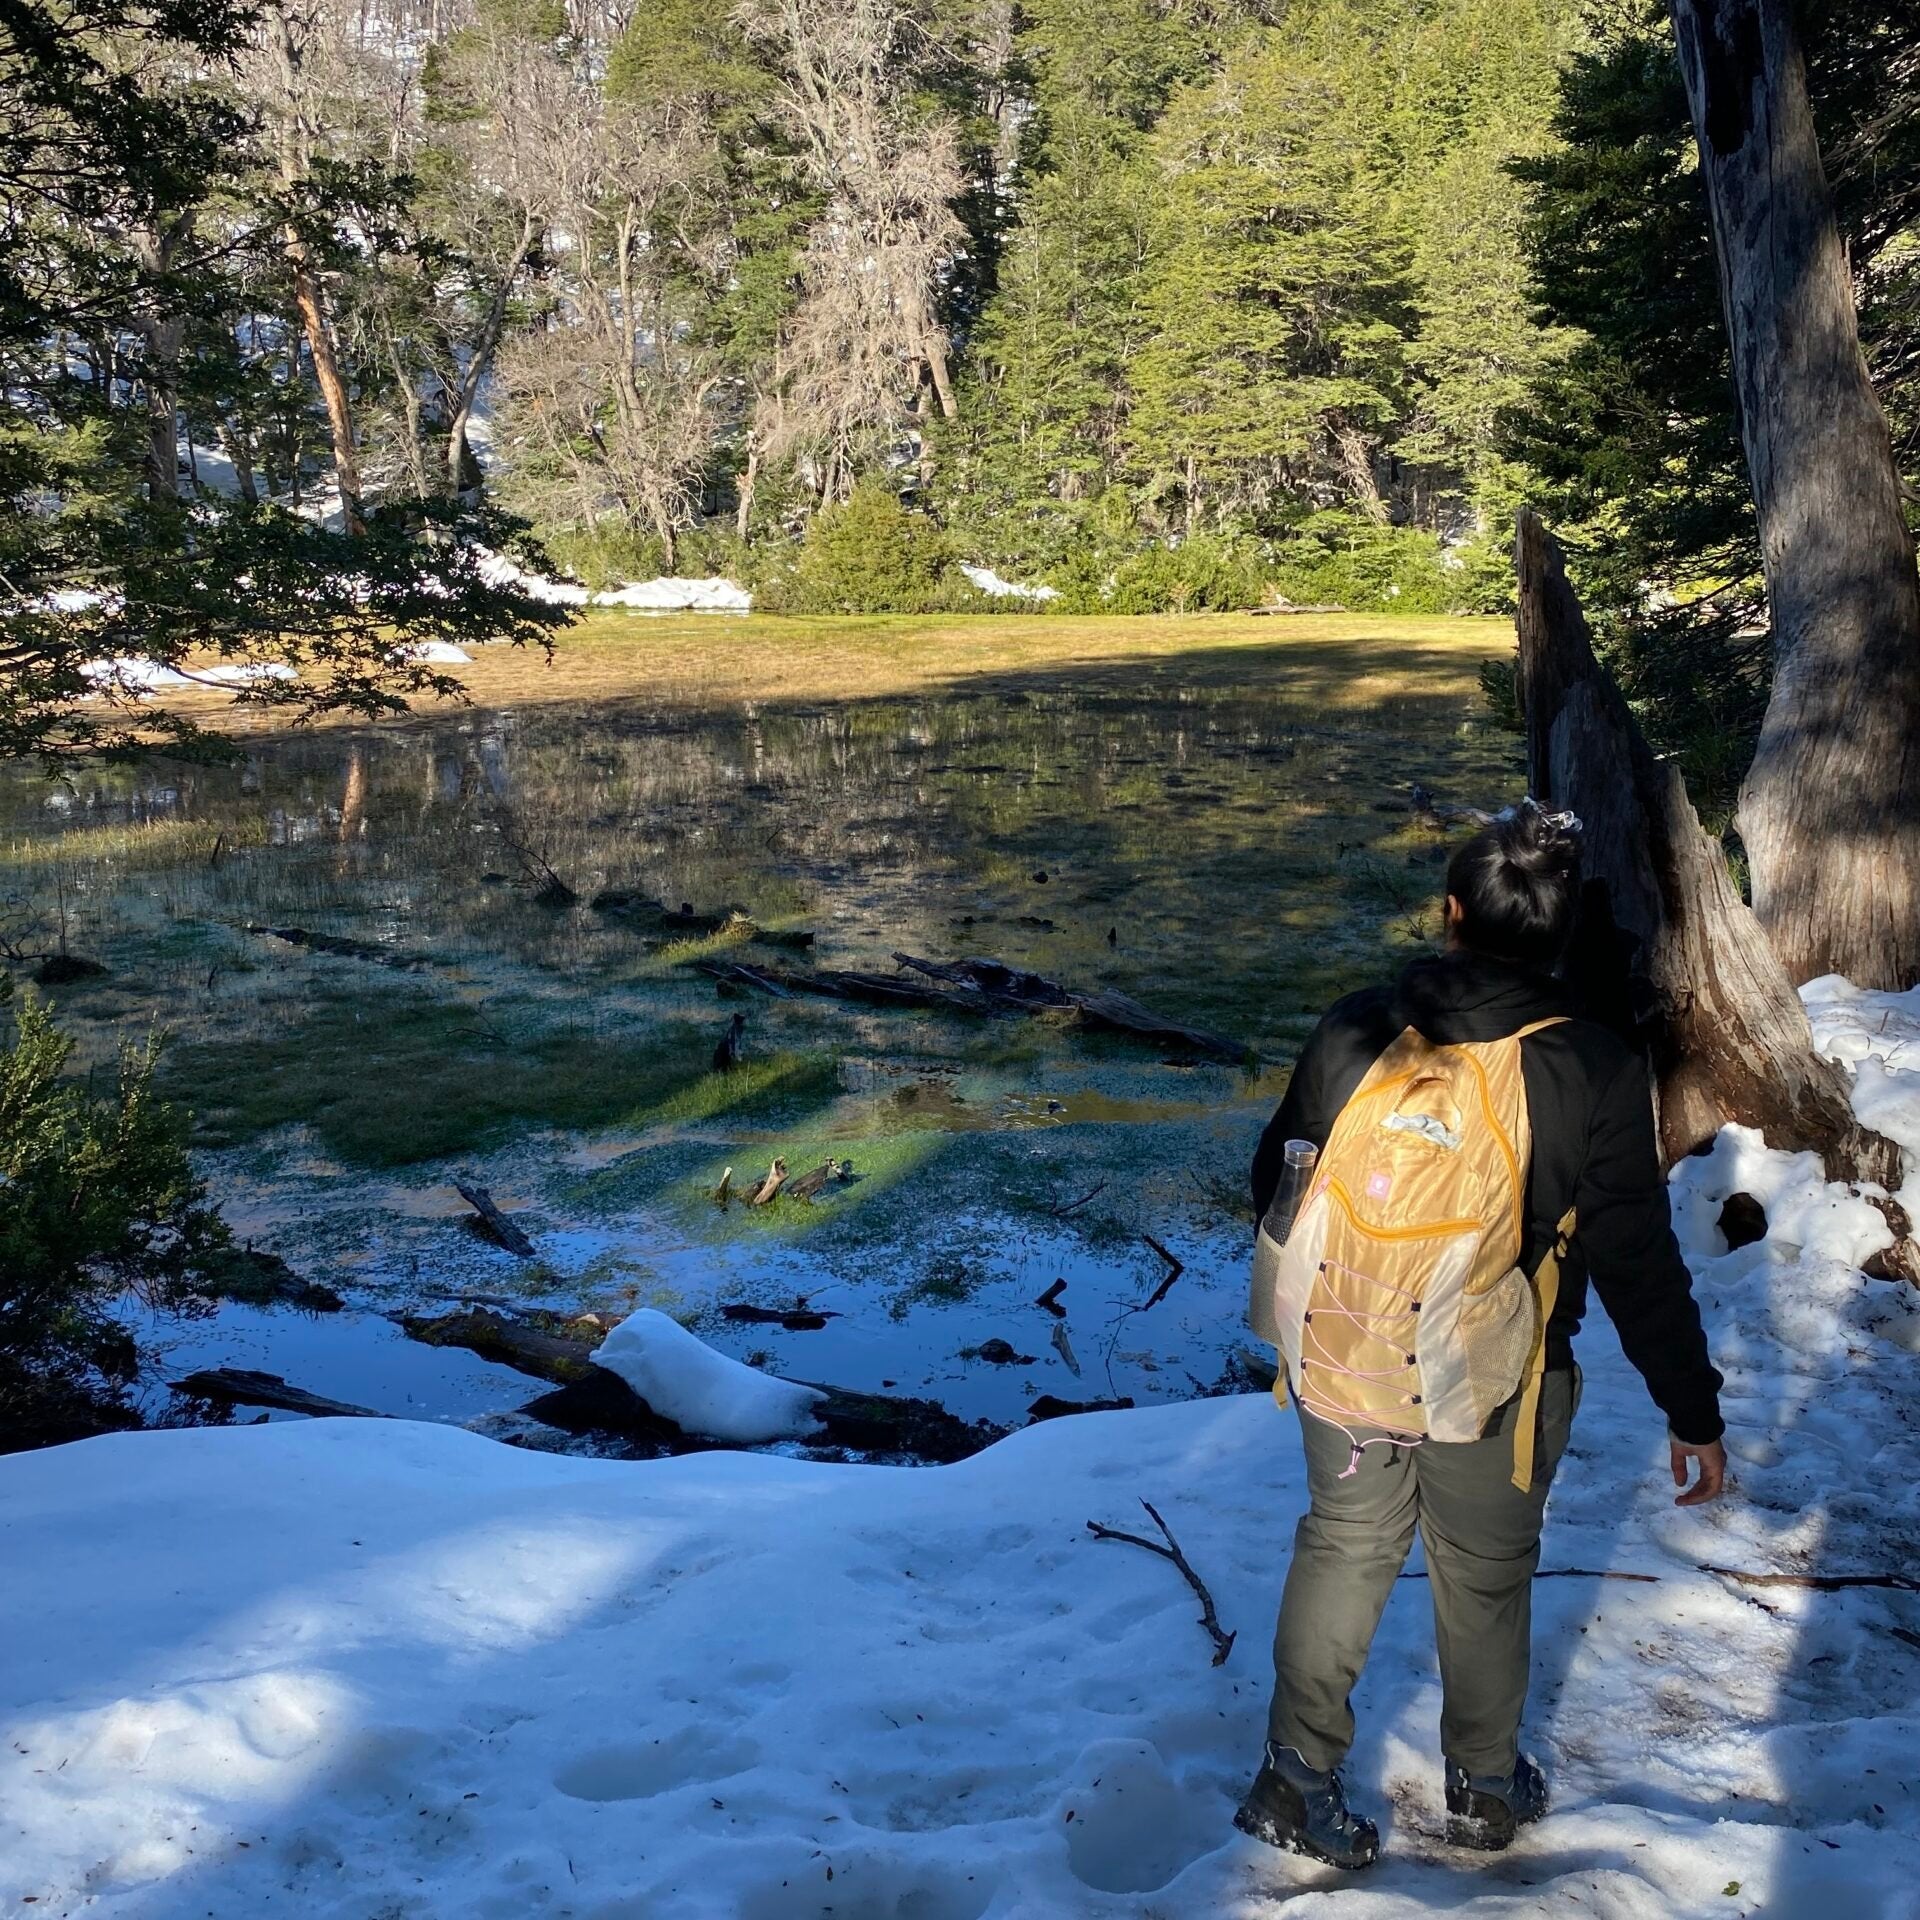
<point x="1396" y="1300"/>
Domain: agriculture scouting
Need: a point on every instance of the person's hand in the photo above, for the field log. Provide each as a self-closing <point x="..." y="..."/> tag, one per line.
<point x="1713" y="1472"/>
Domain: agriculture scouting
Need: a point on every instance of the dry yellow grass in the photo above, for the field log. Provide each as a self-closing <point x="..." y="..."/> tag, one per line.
<point x="1347" y="660"/>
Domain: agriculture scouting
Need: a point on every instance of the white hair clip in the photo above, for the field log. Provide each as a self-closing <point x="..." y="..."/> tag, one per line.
<point x="1566" y="820"/>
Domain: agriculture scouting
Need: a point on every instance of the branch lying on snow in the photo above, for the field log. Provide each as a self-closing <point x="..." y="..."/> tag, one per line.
<point x="1576" y="1573"/>
<point x="1819" y="1582"/>
<point x="1222" y="1640"/>
<point x="1806" y="1582"/>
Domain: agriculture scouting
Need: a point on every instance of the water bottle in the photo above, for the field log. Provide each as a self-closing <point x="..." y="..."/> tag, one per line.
<point x="1296" y="1176"/>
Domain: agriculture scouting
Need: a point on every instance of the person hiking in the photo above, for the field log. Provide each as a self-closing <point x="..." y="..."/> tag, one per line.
<point x="1456" y="1157"/>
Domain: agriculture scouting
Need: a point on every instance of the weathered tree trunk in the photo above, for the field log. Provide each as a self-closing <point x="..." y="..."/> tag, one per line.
<point x="1728" y="1036"/>
<point x="459" y="457"/>
<point x="743" y="514"/>
<point x="238" y="446"/>
<point x="308" y="299"/>
<point x="1831" y="807"/>
<point x="164" y="333"/>
<point x="938" y="373"/>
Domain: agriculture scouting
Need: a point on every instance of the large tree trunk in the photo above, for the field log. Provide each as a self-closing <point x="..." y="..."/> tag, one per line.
<point x="1664" y="931"/>
<point x="1831" y="808"/>
<point x="308" y="298"/>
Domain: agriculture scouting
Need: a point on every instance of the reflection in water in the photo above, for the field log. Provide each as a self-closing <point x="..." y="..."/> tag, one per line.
<point x="1234" y="854"/>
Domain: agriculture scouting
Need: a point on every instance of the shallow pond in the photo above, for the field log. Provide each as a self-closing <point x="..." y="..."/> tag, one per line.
<point x="1223" y="832"/>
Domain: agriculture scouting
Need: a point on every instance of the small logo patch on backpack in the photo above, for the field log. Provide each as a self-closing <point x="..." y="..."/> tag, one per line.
<point x="1379" y="1185"/>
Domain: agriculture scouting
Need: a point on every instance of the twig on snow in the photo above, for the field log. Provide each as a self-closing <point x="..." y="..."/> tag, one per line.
<point x="1222" y="1640"/>
<point x="1576" y="1573"/>
<point x="1819" y="1582"/>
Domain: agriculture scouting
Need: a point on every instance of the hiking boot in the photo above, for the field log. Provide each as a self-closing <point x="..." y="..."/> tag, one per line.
<point x="1485" y="1810"/>
<point x="1295" y="1806"/>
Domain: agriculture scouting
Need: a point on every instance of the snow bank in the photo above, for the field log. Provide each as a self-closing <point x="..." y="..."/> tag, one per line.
<point x="356" y="1668"/>
<point x="684" y="1380"/>
<point x="664" y="595"/>
<point x="126" y="674"/>
<point x="1876" y="1037"/>
<point x="716" y="595"/>
<point x="990" y="582"/>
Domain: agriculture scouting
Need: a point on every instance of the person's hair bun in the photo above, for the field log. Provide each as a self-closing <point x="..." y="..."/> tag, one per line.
<point x="1540" y="840"/>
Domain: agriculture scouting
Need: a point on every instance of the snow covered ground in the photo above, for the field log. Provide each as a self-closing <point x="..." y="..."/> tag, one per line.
<point x="390" y="1671"/>
<point x="662" y="595"/>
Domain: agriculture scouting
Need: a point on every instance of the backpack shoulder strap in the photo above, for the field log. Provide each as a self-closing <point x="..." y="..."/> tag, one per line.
<point x="1546" y="1295"/>
<point x="1540" y="1026"/>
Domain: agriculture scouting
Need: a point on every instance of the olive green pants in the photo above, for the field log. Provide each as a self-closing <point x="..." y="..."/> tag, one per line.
<point x="1482" y="1540"/>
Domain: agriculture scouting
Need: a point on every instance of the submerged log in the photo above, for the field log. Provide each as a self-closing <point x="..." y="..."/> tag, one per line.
<point x="876" y="989"/>
<point x="340" y="945"/>
<point x="653" y="916"/>
<point x="975" y="987"/>
<point x="1015" y="990"/>
<point x="1690" y="965"/>
<point x="793" y="1319"/>
<point x="237" y="1387"/>
<point x="497" y="1226"/>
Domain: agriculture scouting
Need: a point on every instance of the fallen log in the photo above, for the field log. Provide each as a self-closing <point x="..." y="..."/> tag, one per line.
<point x="1050" y="1406"/>
<point x="874" y="989"/>
<point x="341" y="946"/>
<point x="1015" y="990"/>
<point x="974" y="987"/>
<point x="1664" y="938"/>
<point x="237" y="1387"/>
<point x="517" y="1343"/>
<point x="593" y="1400"/>
<point x="682" y="923"/>
<point x="793" y="1319"/>
<point x="497" y="1226"/>
<point x="256" y="1278"/>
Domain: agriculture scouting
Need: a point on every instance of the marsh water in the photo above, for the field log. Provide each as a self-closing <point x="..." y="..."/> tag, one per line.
<point x="1226" y="835"/>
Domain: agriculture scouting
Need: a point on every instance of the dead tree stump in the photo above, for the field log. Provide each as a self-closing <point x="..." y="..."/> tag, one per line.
<point x="1725" y="1030"/>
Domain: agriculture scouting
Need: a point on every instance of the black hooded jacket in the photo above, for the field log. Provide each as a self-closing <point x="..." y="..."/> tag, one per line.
<point x="1593" y="1150"/>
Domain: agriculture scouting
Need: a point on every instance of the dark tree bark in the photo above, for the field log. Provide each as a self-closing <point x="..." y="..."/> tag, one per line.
<point x="1727" y="1035"/>
<point x="1831" y="808"/>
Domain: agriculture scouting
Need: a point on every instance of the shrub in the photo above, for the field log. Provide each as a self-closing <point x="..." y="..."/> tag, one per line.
<point x="97" y="1196"/>
<point x="607" y="554"/>
<point x="1342" y="560"/>
<point x="869" y="554"/>
<point x="1207" y="573"/>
